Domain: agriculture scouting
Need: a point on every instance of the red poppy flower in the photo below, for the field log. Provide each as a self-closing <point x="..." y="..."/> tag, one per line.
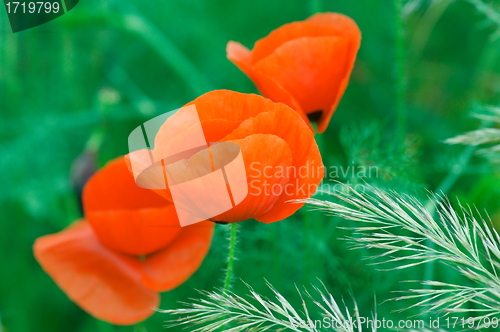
<point x="129" y="248"/>
<point x="281" y="158"/>
<point x="305" y="65"/>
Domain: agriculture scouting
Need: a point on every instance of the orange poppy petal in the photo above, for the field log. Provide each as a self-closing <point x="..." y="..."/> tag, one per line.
<point x="126" y="217"/>
<point x="344" y="25"/>
<point x="311" y="69"/>
<point x="136" y="232"/>
<point x="216" y="129"/>
<point x="187" y="132"/>
<point x="204" y="196"/>
<point x="324" y="120"/>
<point x="170" y="267"/>
<point x="318" y="25"/>
<point x="263" y="156"/>
<point x="105" y="284"/>
<point x="231" y="106"/>
<point x="218" y="112"/>
<point x="150" y="174"/>
<point x="113" y="188"/>
<point x="307" y="168"/>
<point x="240" y="56"/>
<point x="147" y="176"/>
<point x="270" y="88"/>
<point x="285" y="33"/>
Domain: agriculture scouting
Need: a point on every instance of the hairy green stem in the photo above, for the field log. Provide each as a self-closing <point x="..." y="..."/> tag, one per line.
<point x="400" y="78"/>
<point x="231" y="257"/>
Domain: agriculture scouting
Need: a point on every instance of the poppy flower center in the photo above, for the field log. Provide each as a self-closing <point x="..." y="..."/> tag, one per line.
<point x="314" y="116"/>
<point x="219" y="222"/>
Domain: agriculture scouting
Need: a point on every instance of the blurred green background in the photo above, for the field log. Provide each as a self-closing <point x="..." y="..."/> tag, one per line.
<point x="108" y="66"/>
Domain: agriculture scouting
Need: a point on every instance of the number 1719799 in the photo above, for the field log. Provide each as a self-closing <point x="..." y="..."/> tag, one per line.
<point x="32" y="7"/>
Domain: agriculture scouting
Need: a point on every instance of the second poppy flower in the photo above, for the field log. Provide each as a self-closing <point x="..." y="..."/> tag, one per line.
<point x="305" y="65"/>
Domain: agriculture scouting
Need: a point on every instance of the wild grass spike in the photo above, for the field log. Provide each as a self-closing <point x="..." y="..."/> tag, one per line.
<point x="456" y="238"/>
<point x="229" y="312"/>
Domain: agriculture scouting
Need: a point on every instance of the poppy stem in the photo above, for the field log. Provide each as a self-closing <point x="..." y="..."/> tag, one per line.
<point x="231" y="257"/>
